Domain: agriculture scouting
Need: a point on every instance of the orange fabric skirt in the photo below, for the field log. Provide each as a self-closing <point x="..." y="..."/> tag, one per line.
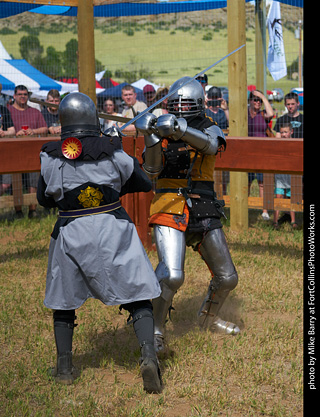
<point x="171" y="220"/>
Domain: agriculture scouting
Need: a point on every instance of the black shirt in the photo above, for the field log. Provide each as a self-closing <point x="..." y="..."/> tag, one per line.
<point x="296" y="123"/>
<point x="5" y="118"/>
<point x="49" y="117"/>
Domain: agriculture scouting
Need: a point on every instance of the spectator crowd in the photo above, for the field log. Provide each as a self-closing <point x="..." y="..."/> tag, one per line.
<point x="20" y="117"/>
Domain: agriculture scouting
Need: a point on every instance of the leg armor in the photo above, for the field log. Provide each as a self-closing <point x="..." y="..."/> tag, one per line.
<point x="142" y="318"/>
<point x="214" y="250"/>
<point x="171" y="247"/>
<point x="63" y="332"/>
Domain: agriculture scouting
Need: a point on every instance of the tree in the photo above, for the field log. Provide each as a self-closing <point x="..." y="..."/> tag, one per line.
<point x="70" y="59"/>
<point x="53" y="64"/>
<point x="31" y="49"/>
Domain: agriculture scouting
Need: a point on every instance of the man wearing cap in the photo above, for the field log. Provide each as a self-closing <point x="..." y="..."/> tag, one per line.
<point x="218" y="107"/>
<point x="203" y="80"/>
<point x="149" y="93"/>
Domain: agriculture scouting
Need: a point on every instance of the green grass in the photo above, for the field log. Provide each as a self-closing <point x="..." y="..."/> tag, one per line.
<point x="257" y="373"/>
<point x="166" y="54"/>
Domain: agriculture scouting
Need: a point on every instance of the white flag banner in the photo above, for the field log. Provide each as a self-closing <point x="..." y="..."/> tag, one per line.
<point x="276" y="57"/>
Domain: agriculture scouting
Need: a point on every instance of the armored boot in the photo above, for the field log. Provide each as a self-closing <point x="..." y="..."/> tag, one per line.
<point x="63" y="373"/>
<point x="143" y="326"/>
<point x="210" y="308"/>
<point x="150" y="370"/>
<point x="226" y="327"/>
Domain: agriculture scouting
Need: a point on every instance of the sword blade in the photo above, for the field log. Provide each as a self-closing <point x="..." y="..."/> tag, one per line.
<point x="101" y="114"/>
<point x="120" y="119"/>
<point x="178" y="88"/>
<point x="43" y="103"/>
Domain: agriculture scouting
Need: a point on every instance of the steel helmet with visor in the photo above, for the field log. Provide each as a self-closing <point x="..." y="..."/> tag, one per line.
<point x="188" y="100"/>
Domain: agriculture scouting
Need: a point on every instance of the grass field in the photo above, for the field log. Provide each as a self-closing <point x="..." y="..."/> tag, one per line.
<point x="164" y="54"/>
<point x="257" y="373"/>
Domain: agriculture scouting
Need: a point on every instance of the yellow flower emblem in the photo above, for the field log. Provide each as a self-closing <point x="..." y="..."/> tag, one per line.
<point x="90" y="197"/>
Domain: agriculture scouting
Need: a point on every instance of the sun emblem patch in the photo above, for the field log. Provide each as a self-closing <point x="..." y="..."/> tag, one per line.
<point x="90" y="197"/>
<point x="71" y="148"/>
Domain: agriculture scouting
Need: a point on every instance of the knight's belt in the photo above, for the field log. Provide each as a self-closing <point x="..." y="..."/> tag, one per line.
<point x="187" y="192"/>
<point x="90" y="210"/>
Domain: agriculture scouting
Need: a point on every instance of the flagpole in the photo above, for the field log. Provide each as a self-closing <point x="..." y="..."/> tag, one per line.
<point x="260" y="22"/>
<point x="300" y="55"/>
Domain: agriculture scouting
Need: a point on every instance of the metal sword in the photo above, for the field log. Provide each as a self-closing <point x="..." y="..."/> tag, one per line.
<point x="100" y="114"/>
<point x="178" y="88"/>
<point x="130" y="121"/>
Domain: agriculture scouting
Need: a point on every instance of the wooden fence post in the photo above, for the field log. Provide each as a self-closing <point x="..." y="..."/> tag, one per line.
<point x="17" y="189"/>
<point x="296" y="192"/>
<point x="268" y="191"/>
<point x="87" y="80"/>
<point x="238" y="120"/>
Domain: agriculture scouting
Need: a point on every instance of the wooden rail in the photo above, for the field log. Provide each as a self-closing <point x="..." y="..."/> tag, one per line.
<point x="242" y="154"/>
<point x="265" y="155"/>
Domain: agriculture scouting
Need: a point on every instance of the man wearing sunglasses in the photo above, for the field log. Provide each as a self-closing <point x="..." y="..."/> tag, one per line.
<point x="203" y="80"/>
<point x="218" y="107"/>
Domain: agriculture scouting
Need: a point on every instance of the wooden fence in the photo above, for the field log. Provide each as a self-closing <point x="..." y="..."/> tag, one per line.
<point x="265" y="155"/>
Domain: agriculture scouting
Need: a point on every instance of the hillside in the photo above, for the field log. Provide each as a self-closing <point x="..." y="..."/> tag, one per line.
<point x="290" y="17"/>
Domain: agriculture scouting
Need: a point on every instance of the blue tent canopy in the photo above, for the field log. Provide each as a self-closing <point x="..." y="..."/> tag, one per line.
<point x="18" y="71"/>
<point x="6" y="84"/>
<point x="125" y="9"/>
<point x="115" y="92"/>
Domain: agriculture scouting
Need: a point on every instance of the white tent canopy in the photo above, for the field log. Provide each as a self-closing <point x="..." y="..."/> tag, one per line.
<point x="65" y="88"/>
<point x="15" y="72"/>
<point x="142" y="82"/>
<point x="3" y="52"/>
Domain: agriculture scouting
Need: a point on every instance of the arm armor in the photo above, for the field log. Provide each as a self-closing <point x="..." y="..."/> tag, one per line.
<point x="153" y="164"/>
<point x="207" y="141"/>
<point x="153" y="150"/>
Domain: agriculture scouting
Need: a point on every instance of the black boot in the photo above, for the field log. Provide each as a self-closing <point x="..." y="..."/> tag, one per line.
<point x="63" y="332"/>
<point x="143" y="325"/>
<point x="150" y="370"/>
<point x="63" y="372"/>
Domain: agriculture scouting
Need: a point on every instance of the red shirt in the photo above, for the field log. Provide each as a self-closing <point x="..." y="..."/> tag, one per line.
<point x="30" y="117"/>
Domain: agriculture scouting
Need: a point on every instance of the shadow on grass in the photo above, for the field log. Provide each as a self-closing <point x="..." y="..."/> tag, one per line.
<point x="120" y="346"/>
<point x="24" y="254"/>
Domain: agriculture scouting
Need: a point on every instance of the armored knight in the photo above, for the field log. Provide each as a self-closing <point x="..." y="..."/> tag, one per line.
<point x="180" y="152"/>
<point x="95" y="251"/>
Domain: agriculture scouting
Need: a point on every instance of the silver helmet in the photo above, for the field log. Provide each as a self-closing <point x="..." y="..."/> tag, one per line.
<point x="188" y="100"/>
<point x="78" y="114"/>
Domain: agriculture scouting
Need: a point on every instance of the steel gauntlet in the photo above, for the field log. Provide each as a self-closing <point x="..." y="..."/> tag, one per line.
<point x="207" y="142"/>
<point x="145" y="125"/>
